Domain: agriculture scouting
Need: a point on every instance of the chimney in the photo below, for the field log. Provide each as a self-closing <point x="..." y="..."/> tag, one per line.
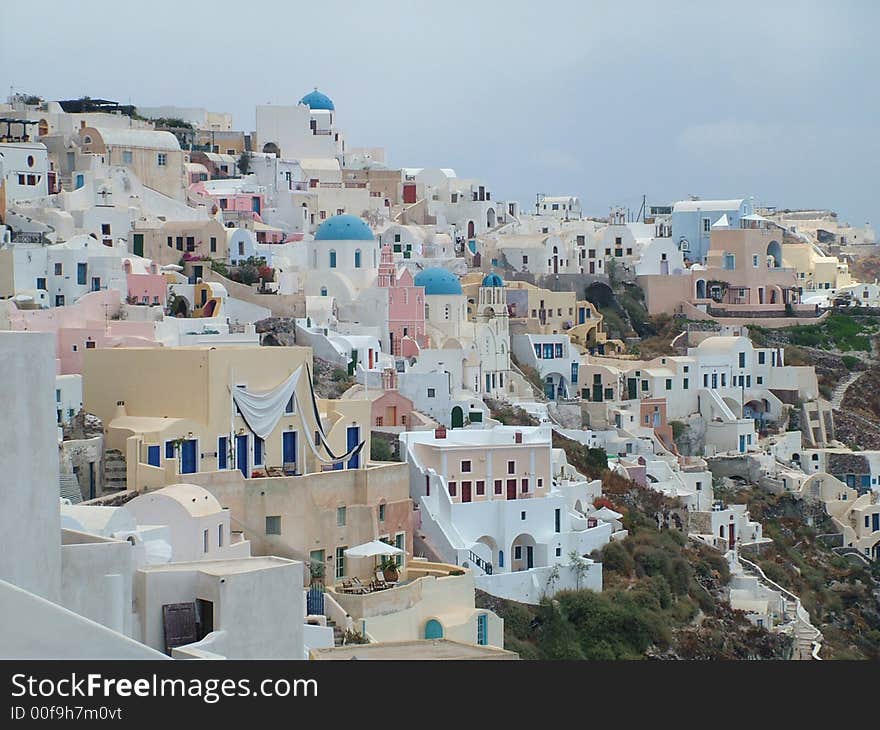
<point x="440" y="432"/>
<point x="120" y="409"/>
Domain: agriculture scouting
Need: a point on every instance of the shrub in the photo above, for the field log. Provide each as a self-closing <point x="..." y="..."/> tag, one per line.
<point x="616" y="559"/>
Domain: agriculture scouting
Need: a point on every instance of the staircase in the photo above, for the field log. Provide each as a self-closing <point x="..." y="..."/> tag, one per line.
<point x="338" y="635"/>
<point x="115" y="477"/>
<point x="718" y="404"/>
<point x="840" y="390"/>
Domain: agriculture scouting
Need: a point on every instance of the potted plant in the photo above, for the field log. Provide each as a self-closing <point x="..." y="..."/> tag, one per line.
<point x="389" y="570"/>
<point x="316" y="571"/>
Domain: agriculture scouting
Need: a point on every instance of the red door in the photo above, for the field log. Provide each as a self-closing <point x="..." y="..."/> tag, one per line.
<point x="465" y="491"/>
<point x="409" y="193"/>
<point x="511" y="488"/>
<point x="732" y="536"/>
<point x="470" y="229"/>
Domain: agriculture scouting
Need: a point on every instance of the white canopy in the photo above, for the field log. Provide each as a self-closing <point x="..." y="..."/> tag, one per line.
<point x="373" y="549"/>
<point x="262" y="410"/>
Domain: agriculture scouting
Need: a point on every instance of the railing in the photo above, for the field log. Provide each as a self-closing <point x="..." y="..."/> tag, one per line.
<point x="484" y="565"/>
<point x="27" y="237"/>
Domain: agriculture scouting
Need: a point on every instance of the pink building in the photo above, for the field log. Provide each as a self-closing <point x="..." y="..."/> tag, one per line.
<point x="82" y="326"/>
<point x="391" y="409"/>
<point x="406" y="307"/>
<point x="147" y="287"/>
<point x="233" y="202"/>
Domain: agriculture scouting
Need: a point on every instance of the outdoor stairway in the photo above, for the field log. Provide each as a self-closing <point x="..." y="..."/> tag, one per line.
<point x="338" y="634"/>
<point x="840" y="390"/>
<point x="115" y="477"/>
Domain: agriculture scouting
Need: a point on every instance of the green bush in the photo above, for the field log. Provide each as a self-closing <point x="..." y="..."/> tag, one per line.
<point x="616" y="559"/>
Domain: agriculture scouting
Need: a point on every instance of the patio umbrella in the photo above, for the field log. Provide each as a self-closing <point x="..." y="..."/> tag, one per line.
<point x="373" y="549"/>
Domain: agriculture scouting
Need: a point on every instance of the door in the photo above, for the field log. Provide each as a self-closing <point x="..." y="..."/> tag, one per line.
<point x="91" y="480"/>
<point x="409" y="193"/>
<point x="179" y="622"/>
<point x="732" y="536"/>
<point x="530" y="557"/>
<point x="466" y="491"/>
<point x="742" y="443"/>
<point x="138" y="244"/>
<point x="511" y="488"/>
<point x="204" y="618"/>
<point x="631" y="388"/>
<point x="255" y="205"/>
<point x="153" y="455"/>
<point x="353" y="439"/>
<point x="288" y="450"/>
<point x="188" y="457"/>
<point x="470" y="229"/>
<point x="222" y="452"/>
<point x="433" y="629"/>
<point x="391" y="415"/>
<point x="482" y="629"/>
<point x="457" y="417"/>
<point x="714" y="381"/>
<point x="241" y="454"/>
<point x="549" y="389"/>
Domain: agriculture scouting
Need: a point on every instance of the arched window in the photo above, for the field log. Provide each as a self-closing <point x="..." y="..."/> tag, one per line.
<point x="332" y="258"/>
<point x="357" y="258"/>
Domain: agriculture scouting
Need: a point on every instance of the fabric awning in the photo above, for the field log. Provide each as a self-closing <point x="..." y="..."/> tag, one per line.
<point x="262" y="410"/>
<point x="373" y="549"/>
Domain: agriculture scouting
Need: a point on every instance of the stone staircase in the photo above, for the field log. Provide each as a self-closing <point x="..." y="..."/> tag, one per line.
<point x="115" y="477"/>
<point x="338" y="634"/>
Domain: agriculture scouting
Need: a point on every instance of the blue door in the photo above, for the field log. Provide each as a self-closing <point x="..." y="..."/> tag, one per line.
<point x="222" y="452"/>
<point x="354" y="438"/>
<point x="188" y="457"/>
<point x="153" y="455"/>
<point x="482" y="629"/>
<point x="742" y="443"/>
<point x="288" y="447"/>
<point x="433" y="629"/>
<point x="241" y="454"/>
<point x="255" y="205"/>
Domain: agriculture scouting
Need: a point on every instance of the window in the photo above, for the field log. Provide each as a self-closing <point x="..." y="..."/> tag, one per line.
<point x="453" y="488"/>
<point x="729" y="261"/>
<point x="340" y="516"/>
<point x="90" y="345"/>
<point x="81" y="273"/>
<point x="742" y="359"/>
<point x="179" y="242"/>
<point x="205" y="541"/>
<point x="517" y="552"/>
<point x="524" y="484"/>
<point x="41" y="283"/>
<point x="481" y="488"/>
<point x="466" y="466"/>
<point x="762" y="357"/>
<point x="668" y="383"/>
<point x="162" y="159"/>
<point x="59" y="270"/>
<point x="213" y="244"/>
<point x="169" y="449"/>
<point x="558" y="520"/>
<point x="431" y="392"/>
<point x="511" y="467"/>
<point x="381" y="513"/>
<point x="498" y="486"/>
<point x="755" y="260"/>
<point x="707" y="225"/>
<point x="273" y="524"/>
<point x="170" y="242"/>
<point x="288" y="409"/>
<point x="357" y="259"/>
<point x="258" y="451"/>
<point x="684" y="384"/>
<point x="340" y="561"/>
<point x="190" y="243"/>
<point x="332" y="259"/>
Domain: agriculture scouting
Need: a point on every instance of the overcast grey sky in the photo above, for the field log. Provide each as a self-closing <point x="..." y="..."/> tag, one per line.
<point x="606" y="100"/>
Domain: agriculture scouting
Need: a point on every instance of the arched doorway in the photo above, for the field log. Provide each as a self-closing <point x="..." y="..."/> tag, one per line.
<point x="490" y="218"/>
<point x="523" y="553"/>
<point x="471" y="229"/>
<point x="457" y="417"/>
<point x="774" y="255"/>
<point x="701" y="289"/>
<point x="433" y="629"/>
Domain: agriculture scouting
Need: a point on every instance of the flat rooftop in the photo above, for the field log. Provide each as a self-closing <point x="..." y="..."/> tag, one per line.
<point x="228" y="566"/>
<point x="414" y="650"/>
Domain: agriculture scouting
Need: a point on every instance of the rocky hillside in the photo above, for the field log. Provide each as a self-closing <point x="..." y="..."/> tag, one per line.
<point x="664" y="598"/>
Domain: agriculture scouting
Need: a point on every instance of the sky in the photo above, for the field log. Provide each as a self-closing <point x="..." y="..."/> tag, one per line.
<point x="609" y="101"/>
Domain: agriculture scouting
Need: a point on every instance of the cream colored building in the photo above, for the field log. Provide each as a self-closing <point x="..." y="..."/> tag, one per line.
<point x="155" y="157"/>
<point x="432" y="601"/>
<point x="303" y="491"/>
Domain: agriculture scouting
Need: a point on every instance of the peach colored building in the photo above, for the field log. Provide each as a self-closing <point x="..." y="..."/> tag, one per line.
<point x="744" y="275"/>
<point x="391" y="408"/>
<point x="85" y="325"/>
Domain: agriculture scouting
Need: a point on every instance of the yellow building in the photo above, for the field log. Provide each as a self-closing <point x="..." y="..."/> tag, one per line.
<point x="815" y="271"/>
<point x="303" y="489"/>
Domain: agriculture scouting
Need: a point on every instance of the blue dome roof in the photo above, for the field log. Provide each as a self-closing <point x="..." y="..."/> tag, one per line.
<point x="493" y="280"/>
<point x="344" y="228"/>
<point x="316" y="100"/>
<point x="438" y="281"/>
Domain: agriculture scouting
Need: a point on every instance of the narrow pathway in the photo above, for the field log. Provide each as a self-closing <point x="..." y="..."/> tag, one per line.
<point x="840" y="389"/>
